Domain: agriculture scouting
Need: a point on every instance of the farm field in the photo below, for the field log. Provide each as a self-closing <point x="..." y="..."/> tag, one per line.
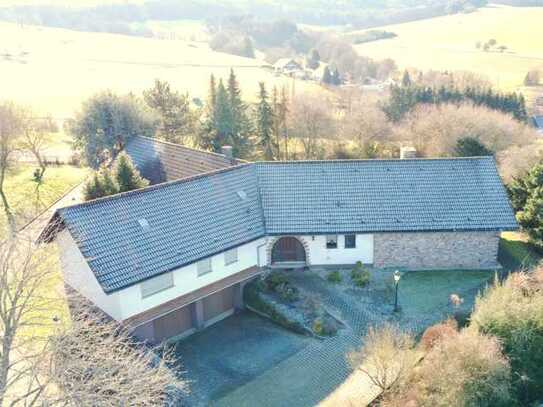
<point x="449" y="43"/>
<point x="54" y="70"/>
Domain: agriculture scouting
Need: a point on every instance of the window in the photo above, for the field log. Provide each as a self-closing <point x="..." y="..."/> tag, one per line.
<point x="231" y="256"/>
<point x="204" y="267"/>
<point x="331" y="241"/>
<point x="156" y="284"/>
<point x="350" y="241"/>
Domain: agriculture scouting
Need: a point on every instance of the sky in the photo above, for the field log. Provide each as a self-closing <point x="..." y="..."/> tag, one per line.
<point x="64" y="2"/>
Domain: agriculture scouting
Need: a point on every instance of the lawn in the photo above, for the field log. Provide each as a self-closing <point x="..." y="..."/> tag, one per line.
<point x="449" y="43"/>
<point x="27" y="200"/>
<point x="516" y="253"/>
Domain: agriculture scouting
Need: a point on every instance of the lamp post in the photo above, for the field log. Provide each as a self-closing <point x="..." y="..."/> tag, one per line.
<point x="397" y="276"/>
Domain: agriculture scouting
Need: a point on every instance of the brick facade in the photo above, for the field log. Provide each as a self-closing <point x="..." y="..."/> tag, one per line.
<point x="442" y="250"/>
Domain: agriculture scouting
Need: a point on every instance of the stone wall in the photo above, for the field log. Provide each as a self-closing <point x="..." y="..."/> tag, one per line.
<point x="442" y="250"/>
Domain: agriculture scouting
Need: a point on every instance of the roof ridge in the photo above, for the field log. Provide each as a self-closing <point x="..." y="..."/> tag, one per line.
<point x="473" y="158"/>
<point x="156" y="186"/>
<point x="156" y="140"/>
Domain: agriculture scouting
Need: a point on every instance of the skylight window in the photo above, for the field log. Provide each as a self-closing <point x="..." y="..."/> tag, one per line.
<point x="144" y="224"/>
<point x="242" y="194"/>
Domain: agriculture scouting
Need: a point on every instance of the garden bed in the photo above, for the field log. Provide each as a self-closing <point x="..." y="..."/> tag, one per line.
<point x="276" y="298"/>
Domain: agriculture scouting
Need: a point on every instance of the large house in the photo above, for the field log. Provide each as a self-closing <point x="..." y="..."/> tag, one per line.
<point x="172" y="258"/>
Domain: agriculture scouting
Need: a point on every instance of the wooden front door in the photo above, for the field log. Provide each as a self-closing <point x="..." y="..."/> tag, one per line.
<point x="288" y="249"/>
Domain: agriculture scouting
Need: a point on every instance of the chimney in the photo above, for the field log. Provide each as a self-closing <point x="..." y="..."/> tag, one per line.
<point x="227" y="152"/>
<point x="408" y="152"/>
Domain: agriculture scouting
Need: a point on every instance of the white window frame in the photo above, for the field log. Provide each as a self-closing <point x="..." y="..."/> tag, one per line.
<point x="204" y="267"/>
<point x="231" y="256"/>
<point x="326" y="242"/>
<point x="156" y="284"/>
<point x="345" y="241"/>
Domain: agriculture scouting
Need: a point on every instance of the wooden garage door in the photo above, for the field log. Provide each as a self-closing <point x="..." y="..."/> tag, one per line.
<point x="173" y="323"/>
<point x="218" y="303"/>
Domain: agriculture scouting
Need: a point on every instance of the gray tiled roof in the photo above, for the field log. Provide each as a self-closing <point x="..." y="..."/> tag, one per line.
<point x="194" y="218"/>
<point x="176" y="161"/>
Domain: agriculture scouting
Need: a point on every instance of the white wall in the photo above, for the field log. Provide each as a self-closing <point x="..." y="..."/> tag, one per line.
<point x="79" y="276"/>
<point x="128" y="302"/>
<point x="186" y="280"/>
<point x="319" y="254"/>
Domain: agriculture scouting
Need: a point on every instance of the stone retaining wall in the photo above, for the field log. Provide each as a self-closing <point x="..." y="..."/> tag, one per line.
<point x="437" y="250"/>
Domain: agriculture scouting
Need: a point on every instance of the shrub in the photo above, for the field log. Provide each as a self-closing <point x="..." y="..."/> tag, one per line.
<point x="334" y="277"/>
<point x="386" y="356"/>
<point x="360" y="275"/>
<point x="251" y="297"/>
<point x="512" y="310"/>
<point x="467" y="369"/>
<point x="437" y="333"/>
<point x="325" y="326"/>
<point x="274" y="279"/>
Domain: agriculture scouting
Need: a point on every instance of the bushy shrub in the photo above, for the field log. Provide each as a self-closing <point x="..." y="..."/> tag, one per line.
<point x="325" y="326"/>
<point x="386" y="356"/>
<point x="274" y="279"/>
<point x="360" y="275"/>
<point x="334" y="277"/>
<point x="467" y="369"/>
<point x="278" y="283"/>
<point x="437" y="333"/>
<point x="252" y="298"/>
<point x="512" y="310"/>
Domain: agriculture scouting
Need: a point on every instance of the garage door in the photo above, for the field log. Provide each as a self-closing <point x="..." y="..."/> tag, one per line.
<point x="172" y="324"/>
<point x="218" y="304"/>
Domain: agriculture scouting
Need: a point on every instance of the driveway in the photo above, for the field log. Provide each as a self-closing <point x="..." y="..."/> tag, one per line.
<point x="233" y="352"/>
<point x="248" y="361"/>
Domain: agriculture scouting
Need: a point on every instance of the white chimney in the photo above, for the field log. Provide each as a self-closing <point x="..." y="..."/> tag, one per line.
<point x="227" y="152"/>
<point x="408" y="152"/>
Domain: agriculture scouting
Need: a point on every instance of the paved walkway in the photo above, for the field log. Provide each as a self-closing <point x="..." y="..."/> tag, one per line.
<point x="308" y="377"/>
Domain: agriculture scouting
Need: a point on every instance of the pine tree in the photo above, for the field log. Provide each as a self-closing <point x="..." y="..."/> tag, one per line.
<point x="241" y="124"/>
<point x="207" y="130"/>
<point x="336" y="77"/>
<point x="247" y="48"/>
<point x="223" y="119"/>
<point x="282" y="113"/>
<point x="127" y="176"/>
<point x="406" y="79"/>
<point x="327" y="76"/>
<point x="93" y="188"/>
<point x="108" y="184"/>
<point x="264" y="124"/>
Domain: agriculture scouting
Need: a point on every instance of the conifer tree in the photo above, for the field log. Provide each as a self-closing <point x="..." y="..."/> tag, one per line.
<point x="264" y="124"/>
<point x="241" y="124"/>
<point x="327" y="76"/>
<point x="108" y="185"/>
<point x="127" y="176"/>
<point x="406" y="79"/>
<point x="93" y="188"/>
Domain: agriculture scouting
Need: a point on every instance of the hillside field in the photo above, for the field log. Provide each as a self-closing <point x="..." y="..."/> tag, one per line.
<point x="449" y="43"/>
<point x="54" y="70"/>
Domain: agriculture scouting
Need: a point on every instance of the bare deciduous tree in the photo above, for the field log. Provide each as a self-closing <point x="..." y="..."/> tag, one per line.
<point x="11" y="126"/>
<point x="34" y="140"/>
<point x="26" y="309"/>
<point x="311" y="121"/>
<point x="85" y="361"/>
<point x="97" y="363"/>
<point x="386" y="356"/>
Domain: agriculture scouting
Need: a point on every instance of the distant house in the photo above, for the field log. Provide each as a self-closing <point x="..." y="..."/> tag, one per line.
<point x="173" y="258"/>
<point x="287" y="66"/>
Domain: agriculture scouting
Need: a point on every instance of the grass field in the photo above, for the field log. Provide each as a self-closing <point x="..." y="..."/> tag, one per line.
<point x="27" y="201"/>
<point x="54" y="70"/>
<point x="449" y="43"/>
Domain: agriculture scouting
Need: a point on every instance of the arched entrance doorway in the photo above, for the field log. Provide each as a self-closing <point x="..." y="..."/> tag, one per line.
<point x="288" y="250"/>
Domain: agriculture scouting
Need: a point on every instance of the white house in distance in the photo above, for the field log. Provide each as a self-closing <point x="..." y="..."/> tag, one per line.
<point x="172" y="258"/>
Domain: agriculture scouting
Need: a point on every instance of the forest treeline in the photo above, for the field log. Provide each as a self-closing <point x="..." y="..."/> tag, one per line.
<point x="119" y="18"/>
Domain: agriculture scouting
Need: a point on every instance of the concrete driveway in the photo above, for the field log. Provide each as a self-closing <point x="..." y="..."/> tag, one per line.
<point x="232" y="353"/>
